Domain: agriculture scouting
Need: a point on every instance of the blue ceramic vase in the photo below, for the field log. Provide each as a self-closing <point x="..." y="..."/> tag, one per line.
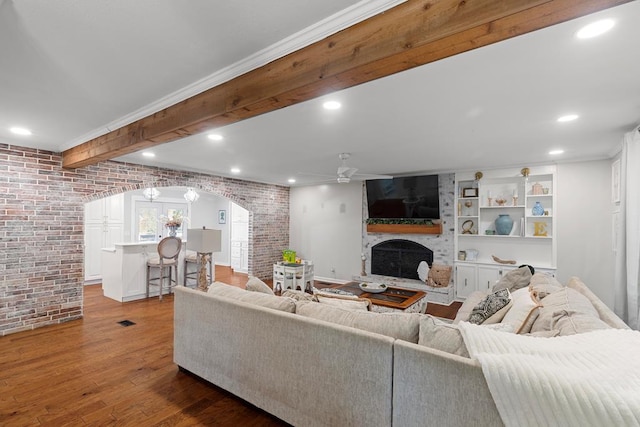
<point x="504" y="224"/>
<point x="537" y="209"/>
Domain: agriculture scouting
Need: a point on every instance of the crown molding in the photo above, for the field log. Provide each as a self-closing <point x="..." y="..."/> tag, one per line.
<point x="322" y="29"/>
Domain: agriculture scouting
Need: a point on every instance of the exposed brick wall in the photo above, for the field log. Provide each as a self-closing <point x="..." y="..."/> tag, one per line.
<point x="41" y="240"/>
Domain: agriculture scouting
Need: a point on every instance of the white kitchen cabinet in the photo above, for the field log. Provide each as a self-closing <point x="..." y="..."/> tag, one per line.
<point x="103" y="228"/>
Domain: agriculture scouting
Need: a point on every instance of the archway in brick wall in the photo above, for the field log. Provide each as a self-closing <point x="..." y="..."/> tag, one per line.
<point x="181" y="187"/>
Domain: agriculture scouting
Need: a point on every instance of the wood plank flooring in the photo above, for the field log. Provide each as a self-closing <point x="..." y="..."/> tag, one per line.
<point x="97" y="372"/>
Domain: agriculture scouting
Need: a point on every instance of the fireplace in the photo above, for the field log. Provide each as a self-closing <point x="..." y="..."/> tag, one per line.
<point x="399" y="258"/>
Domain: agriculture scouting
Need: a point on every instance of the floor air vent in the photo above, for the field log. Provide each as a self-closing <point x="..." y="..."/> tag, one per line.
<point x="126" y="322"/>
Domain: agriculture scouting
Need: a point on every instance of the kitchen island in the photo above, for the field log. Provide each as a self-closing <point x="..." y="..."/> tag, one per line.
<point x="124" y="270"/>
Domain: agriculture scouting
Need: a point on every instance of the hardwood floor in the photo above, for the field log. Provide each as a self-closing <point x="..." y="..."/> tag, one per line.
<point x="96" y="372"/>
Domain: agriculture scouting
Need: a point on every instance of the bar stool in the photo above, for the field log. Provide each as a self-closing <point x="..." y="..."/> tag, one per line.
<point x="191" y="257"/>
<point x="168" y="252"/>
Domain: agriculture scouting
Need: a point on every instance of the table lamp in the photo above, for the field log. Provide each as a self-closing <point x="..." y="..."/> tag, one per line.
<point x="204" y="241"/>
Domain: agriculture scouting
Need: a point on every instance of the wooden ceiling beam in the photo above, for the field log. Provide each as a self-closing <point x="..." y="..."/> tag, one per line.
<point x="412" y="34"/>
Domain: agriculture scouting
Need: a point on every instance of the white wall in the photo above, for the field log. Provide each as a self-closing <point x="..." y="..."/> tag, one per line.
<point x="326" y="227"/>
<point x="204" y="213"/>
<point x="585" y="226"/>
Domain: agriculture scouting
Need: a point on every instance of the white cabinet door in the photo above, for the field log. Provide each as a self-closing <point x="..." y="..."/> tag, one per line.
<point x="239" y="256"/>
<point x="244" y="260"/>
<point x="93" y="238"/>
<point x="114" y="208"/>
<point x="488" y="276"/>
<point x="103" y="227"/>
<point x="236" y="255"/>
<point x="465" y="280"/>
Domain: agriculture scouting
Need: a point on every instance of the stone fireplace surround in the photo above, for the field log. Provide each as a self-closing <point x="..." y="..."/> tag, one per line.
<point x="442" y="245"/>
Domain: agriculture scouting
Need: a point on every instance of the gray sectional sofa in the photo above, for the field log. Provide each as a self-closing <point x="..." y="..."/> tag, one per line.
<point x="281" y="356"/>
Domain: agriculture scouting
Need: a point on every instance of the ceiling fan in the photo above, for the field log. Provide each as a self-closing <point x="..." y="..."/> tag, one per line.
<point x="345" y="173"/>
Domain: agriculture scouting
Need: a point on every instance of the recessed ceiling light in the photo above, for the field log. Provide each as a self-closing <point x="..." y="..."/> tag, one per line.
<point x="595" y="29"/>
<point x="568" y="118"/>
<point x="148" y="154"/>
<point x="20" y="131"/>
<point x="332" y="105"/>
<point x="556" y="152"/>
<point x="215" y="136"/>
<point x="235" y="170"/>
<point x="291" y="180"/>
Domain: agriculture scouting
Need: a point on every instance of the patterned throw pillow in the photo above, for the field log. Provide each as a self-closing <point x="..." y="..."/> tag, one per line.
<point x="492" y="308"/>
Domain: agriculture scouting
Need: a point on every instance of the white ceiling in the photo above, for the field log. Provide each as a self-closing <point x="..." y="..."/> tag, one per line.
<point x="71" y="70"/>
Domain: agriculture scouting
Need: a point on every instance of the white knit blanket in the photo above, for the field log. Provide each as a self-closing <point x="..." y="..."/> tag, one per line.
<point x="590" y="379"/>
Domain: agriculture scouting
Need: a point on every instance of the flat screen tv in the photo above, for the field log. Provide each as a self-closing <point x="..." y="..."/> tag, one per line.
<point x="404" y="197"/>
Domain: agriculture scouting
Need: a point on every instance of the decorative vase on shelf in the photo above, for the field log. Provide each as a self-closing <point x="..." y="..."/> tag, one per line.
<point x="504" y="224"/>
<point x="537" y="209"/>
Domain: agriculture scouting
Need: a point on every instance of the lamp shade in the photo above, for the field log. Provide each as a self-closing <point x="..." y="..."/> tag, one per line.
<point x="204" y="240"/>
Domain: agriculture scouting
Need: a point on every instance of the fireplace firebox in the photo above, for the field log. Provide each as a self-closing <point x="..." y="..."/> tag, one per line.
<point x="399" y="258"/>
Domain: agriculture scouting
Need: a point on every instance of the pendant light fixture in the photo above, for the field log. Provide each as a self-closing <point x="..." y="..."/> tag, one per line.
<point x="151" y="194"/>
<point x="191" y="195"/>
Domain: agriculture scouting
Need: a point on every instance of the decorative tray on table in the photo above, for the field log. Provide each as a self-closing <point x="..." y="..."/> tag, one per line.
<point x="374" y="288"/>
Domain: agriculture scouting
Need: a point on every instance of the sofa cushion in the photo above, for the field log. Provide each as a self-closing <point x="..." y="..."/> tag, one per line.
<point x="442" y="336"/>
<point x="468" y="305"/>
<point x="605" y="313"/>
<point x="297" y="295"/>
<point x="404" y="326"/>
<point x="571" y="322"/>
<point x="346" y="302"/>
<point x="567" y="300"/>
<point x="256" y="285"/>
<point x="523" y="311"/>
<point x="544" y="284"/>
<point x="514" y="279"/>
<point x="257" y="298"/>
<point x="492" y="308"/>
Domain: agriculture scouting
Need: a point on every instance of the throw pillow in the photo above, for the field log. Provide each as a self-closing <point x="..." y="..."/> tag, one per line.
<point x="492" y="308"/>
<point x="514" y="279"/>
<point x="566" y="299"/>
<point x="256" y="285"/>
<point x="442" y="336"/>
<point x="468" y="305"/>
<point x="403" y="326"/>
<point x="604" y="312"/>
<point x="349" y="303"/>
<point x="523" y="312"/>
<point x="257" y="298"/>
<point x="570" y="322"/>
<point x="297" y="295"/>
<point x="544" y="284"/>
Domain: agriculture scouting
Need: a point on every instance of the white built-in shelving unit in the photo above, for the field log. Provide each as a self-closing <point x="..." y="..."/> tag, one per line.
<point x="479" y="202"/>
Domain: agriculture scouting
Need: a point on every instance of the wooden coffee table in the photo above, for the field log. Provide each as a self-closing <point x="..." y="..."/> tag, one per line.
<point x="393" y="298"/>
